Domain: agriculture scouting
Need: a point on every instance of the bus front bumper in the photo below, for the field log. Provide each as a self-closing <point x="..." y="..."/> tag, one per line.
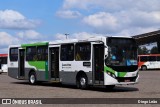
<point x="108" y="80"/>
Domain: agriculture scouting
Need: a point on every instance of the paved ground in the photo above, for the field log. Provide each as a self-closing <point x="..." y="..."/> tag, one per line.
<point x="148" y="87"/>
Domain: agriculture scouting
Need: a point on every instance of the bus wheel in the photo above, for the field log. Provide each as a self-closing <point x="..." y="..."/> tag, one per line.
<point x="110" y="87"/>
<point x="82" y="82"/>
<point x="32" y="78"/>
<point x="144" y="67"/>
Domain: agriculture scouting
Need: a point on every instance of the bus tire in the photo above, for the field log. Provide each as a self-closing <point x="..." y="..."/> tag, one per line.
<point x="144" y="67"/>
<point x="82" y="82"/>
<point x="32" y="78"/>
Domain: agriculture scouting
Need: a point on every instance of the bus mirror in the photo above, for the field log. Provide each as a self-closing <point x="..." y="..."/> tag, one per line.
<point x="105" y="57"/>
<point x="109" y="49"/>
<point x="106" y="51"/>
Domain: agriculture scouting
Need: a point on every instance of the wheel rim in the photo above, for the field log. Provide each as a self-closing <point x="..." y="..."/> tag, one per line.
<point x="32" y="79"/>
<point x="144" y="68"/>
<point x="82" y="81"/>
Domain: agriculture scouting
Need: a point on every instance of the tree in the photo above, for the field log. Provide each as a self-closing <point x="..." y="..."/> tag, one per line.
<point x="154" y="50"/>
<point x="143" y="50"/>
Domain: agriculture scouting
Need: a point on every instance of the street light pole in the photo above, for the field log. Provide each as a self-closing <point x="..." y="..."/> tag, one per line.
<point x="66" y="35"/>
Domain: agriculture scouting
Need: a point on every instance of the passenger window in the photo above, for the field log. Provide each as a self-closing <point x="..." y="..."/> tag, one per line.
<point x="143" y="58"/>
<point x="158" y="58"/>
<point x="3" y="60"/>
<point x="67" y="52"/>
<point x="31" y="54"/>
<point x="152" y="58"/>
<point x="13" y="54"/>
<point x="83" y="51"/>
<point x="42" y="53"/>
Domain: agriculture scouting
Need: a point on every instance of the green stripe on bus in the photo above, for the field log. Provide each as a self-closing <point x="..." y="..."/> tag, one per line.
<point x="120" y="74"/>
<point x="46" y="70"/>
<point x="108" y="69"/>
<point x="39" y="66"/>
<point x="35" y="44"/>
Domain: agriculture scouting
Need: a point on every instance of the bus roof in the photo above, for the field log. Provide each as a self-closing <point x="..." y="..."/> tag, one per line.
<point x="91" y="39"/>
<point x="121" y="36"/>
<point x="14" y="45"/>
<point x="97" y="38"/>
<point x="35" y="44"/>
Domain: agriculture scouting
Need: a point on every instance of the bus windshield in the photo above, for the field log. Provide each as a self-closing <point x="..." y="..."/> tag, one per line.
<point x="121" y="52"/>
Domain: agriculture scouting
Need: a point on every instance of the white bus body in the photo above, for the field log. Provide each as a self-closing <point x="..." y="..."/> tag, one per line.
<point x="150" y="61"/>
<point x="105" y="61"/>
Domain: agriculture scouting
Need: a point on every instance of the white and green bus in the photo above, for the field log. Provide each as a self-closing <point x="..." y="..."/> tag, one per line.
<point x="106" y="61"/>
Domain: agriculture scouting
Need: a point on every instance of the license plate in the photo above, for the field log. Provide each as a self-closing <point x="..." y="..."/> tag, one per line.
<point x="133" y="75"/>
<point x="126" y="80"/>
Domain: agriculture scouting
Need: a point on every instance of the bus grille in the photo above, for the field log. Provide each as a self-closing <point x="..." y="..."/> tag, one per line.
<point x="126" y="79"/>
<point x="124" y="68"/>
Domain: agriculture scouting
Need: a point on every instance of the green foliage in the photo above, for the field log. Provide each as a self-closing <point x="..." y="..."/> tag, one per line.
<point x="143" y="50"/>
<point x="154" y="50"/>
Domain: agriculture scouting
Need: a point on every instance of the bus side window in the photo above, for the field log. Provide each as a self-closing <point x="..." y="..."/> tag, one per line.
<point x="152" y="58"/>
<point x="3" y="60"/>
<point x="42" y="53"/>
<point x="31" y="54"/>
<point x="83" y="51"/>
<point x="158" y="58"/>
<point x="143" y="59"/>
<point x="67" y="52"/>
<point x="13" y="54"/>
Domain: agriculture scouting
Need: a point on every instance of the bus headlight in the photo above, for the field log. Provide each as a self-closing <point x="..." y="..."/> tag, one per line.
<point x="111" y="74"/>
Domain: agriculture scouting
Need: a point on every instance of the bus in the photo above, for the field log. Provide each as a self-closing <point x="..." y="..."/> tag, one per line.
<point x="149" y="61"/>
<point x="106" y="61"/>
<point x="3" y="63"/>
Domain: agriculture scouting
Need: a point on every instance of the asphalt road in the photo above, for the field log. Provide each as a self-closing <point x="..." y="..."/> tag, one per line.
<point x="148" y="87"/>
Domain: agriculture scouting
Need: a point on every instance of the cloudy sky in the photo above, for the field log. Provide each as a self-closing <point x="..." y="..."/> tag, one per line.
<point x="25" y="21"/>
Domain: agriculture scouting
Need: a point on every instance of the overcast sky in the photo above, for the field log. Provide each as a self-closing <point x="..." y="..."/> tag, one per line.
<point x="25" y="21"/>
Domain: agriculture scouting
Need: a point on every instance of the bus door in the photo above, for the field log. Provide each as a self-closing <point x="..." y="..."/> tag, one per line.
<point x="98" y="64"/>
<point x="21" y="62"/>
<point x="54" y="63"/>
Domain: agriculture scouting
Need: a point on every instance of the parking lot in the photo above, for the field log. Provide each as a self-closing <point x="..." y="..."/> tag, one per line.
<point x="148" y="87"/>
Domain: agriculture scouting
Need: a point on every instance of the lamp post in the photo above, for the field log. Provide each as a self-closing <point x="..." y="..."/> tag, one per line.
<point x="66" y="35"/>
